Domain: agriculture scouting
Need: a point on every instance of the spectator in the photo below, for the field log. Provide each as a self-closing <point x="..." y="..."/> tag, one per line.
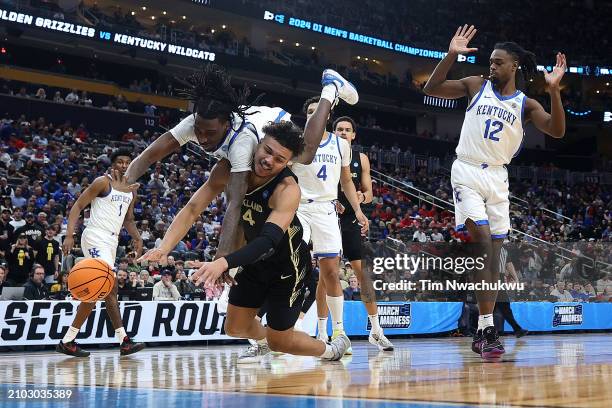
<point x="604" y="283"/>
<point x="6" y="230"/>
<point x="17" y="221"/>
<point x="122" y="281"/>
<point x="353" y="291"/>
<point x="72" y="97"/>
<point x="48" y="255"/>
<point x="41" y="94"/>
<point x="58" y="97"/>
<point x="436" y="236"/>
<point x="164" y="289"/>
<point x="32" y="230"/>
<point x="146" y="281"/>
<point x="183" y="284"/>
<point x="18" y="200"/>
<point x="85" y="100"/>
<point x="3" y="282"/>
<point x="20" y="260"/>
<point x="133" y="281"/>
<point x="35" y="288"/>
<point x="61" y="286"/>
<point x="419" y="235"/>
<point x="561" y="293"/>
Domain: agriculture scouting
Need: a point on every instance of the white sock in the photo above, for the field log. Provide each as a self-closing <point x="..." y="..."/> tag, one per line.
<point x="328" y="353"/>
<point x="70" y="335"/>
<point x="336" y="309"/>
<point x="120" y="334"/>
<point x="485" y="321"/>
<point x="375" y="324"/>
<point x="322" y="325"/>
<point x="330" y="93"/>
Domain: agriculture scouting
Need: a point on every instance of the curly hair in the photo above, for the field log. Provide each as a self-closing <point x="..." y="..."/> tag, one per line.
<point x="526" y="59"/>
<point x="211" y="92"/>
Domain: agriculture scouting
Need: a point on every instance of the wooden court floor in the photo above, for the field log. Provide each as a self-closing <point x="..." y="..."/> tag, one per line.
<point x="567" y="370"/>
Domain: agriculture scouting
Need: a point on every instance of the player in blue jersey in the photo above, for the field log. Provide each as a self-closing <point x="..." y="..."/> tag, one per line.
<point x="491" y="135"/>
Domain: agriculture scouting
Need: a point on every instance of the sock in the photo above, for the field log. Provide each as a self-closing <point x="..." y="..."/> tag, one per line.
<point x="330" y="93"/>
<point x="485" y="321"/>
<point x="375" y="324"/>
<point x="328" y="353"/>
<point x="120" y="334"/>
<point x="70" y="335"/>
<point x="322" y="325"/>
<point x="336" y="309"/>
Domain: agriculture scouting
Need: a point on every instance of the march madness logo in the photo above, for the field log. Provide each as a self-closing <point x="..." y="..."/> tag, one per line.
<point x="393" y="316"/>
<point x="567" y="316"/>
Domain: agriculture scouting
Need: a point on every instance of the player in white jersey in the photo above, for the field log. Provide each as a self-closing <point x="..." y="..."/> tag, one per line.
<point x="112" y="207"/>
<point x="317" y="212"/>
<point x="491" y="136"/>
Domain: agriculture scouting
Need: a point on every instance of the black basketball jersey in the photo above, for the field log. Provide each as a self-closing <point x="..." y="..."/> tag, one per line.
<point x="255" y="211"/>
<point x="355" y="168"/>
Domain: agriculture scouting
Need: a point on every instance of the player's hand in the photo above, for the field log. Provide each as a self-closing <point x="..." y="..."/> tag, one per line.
<point x="360" y="197"/>
<point x="153" y="255"/>
<point x="67" y="244"/>
<point x="210" y="272"/>
<point x="459" y="43"/>
<point x="363" y="221"/>
<point x="339" y="207"/>
<point x="554" y="78"/>
<point x="120" y="183"/>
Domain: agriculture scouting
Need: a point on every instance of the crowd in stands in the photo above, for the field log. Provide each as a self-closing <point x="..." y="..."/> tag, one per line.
<point x="45" y="166"/>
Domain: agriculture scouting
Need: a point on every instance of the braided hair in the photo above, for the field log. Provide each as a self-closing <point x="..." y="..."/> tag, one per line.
<point x="211" y="92"/>
<point x="526" y="59"/>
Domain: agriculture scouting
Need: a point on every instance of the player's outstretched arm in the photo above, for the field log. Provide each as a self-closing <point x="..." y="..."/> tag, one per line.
<point x="99" y="186"/>
<point x="162" y="147"/>
<point x="552" y="124"/>
<point x="438" y="85"/>
<point x="231" y="229"/>
<point x="284" y="203"/>
<point x="188" y="214"/>
<point x="313" y="132"/>
<point x="366" y="179"/>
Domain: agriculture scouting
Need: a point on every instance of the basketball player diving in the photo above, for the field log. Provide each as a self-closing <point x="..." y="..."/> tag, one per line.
<point x="491" y="135"/>
<point x="112" y="201"/>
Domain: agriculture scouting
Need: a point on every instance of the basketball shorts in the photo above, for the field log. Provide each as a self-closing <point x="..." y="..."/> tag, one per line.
<point x="278" y="285"/>
<point x="351" y="237"/>
<point x="320" y="223"/>
<point x="480" y="193"/>
<point x="99" y="244"/>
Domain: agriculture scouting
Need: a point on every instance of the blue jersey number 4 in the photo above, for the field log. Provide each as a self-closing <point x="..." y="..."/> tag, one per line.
<point x="322" y="174"/>
<point x="492" y="129"/>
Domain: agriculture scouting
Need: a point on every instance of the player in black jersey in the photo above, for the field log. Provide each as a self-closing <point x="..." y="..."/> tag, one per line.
<point x="275" y="261"/>
<point x="345" y="127"/>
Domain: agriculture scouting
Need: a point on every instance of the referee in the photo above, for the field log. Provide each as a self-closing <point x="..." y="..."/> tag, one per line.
<point x="502" y="304"/>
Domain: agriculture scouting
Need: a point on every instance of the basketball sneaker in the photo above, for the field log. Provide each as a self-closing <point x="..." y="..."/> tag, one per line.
<point x="477" y="341"/>
<point x="130" y="347"/>
<point x="339" y="346"/>
<point x="253" y="354"/>
<point x="335" y="334"/>
<point x="379" y="340"/>
<point x="323" y="337"/>
<point x="223" y="300"/>
<point x="345" y="90"/>
<point x="72" y="349"/>
<point x="491" y="348"/>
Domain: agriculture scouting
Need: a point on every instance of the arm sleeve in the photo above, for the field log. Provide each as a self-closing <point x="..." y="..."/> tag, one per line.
<point x="183" y="131"/>
<point x="260" y="248"/>
<point x="241" y="152"/>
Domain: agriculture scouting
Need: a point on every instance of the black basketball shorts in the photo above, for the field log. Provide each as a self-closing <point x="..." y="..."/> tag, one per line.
<point x="351" y="237"/>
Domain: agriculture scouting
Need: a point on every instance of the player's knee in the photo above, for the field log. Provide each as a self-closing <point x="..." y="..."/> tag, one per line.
<point x="233" y="330"/>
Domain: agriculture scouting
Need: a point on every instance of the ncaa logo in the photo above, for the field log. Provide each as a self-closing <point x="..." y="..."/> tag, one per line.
<point x="265" y="194"/>
<point x="279" y="18"/>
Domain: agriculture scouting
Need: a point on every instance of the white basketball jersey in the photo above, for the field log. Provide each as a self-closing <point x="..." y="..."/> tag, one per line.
<point x="492" y="131"/>
<point x="108" y="212"/>
<point x="319" y="179"/>
<point x="240" y="142"/>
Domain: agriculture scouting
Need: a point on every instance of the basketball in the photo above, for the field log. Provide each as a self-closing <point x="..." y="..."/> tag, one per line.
<point x="90" y="280"/>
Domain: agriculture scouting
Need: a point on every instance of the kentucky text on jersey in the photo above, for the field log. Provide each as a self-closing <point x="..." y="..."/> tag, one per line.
<point x="325" y="158"/>
<point x="496" y="111"/>
<point x="121" y="198"/>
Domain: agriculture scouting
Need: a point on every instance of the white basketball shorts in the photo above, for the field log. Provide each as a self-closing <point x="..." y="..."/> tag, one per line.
<point x="320" y="223"/>
<point x="99" y="244"/>
<point x="480" y="193"/>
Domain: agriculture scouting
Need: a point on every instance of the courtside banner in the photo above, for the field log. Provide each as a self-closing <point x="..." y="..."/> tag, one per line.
<point x="45" y="322"/>
<point x="546" y="316"/>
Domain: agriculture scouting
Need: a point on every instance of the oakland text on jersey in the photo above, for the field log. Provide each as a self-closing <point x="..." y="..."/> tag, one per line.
<point x="252" y="204"/>
<point x="497" y="111"/>
<point x="325" y="158"/>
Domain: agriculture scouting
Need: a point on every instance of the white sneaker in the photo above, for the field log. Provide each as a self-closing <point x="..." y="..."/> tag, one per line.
<point x="379" y="340"/>
<point x="253" y="354"/>
<point x="349" y="351"/>
<point x="346" y="91"/>
<point x="339" y="346"/>
<point x="223" y="301"/>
